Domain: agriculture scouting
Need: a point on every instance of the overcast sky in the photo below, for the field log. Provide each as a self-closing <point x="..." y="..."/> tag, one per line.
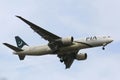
<point x="78" y="18"/>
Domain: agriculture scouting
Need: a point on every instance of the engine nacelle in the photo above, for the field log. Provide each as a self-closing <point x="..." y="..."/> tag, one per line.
<point x="81" y="56"/>
<point x="67" y="41"/>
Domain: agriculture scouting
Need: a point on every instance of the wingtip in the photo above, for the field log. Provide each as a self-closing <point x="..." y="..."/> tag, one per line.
<point x="18" y="16"/>
<point x="4" y="43"/>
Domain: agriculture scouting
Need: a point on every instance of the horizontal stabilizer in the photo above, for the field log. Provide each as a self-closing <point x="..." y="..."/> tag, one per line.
<point x="13" y="47"/>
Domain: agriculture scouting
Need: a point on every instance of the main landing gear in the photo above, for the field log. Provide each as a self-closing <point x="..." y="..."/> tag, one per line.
<point x="61" y="60"/>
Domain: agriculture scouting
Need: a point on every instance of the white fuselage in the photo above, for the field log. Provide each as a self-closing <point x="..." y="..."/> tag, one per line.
<point x="77" y="45"/>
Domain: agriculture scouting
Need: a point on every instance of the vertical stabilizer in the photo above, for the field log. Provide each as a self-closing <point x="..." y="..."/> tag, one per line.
<point x="20" y="43"/>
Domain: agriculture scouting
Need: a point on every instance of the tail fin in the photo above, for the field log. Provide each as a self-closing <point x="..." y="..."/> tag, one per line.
<point x="20" y="43"/>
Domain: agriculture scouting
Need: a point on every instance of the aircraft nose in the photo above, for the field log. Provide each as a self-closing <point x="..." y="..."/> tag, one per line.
<point x="110" y="40"/>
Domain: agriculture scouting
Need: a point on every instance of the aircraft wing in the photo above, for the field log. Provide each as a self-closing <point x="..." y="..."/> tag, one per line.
<point x="42" y="32"/>
<point x="68" y="59"/>
<point x="68" y="62"/>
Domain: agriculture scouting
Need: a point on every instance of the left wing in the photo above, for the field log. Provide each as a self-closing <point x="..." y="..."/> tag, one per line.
<point x="68" y="59"/>
<point x="42" y="32"/>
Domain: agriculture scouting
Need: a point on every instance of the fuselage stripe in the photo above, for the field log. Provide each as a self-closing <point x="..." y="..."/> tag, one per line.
<point x="84" y="43"/>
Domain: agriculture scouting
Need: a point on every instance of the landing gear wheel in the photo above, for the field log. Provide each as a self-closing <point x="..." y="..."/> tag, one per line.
<point x="103" y="48"/>
<point x="61" y="61"/>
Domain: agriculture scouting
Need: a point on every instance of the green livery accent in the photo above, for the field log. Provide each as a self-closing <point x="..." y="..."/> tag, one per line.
<point x="20" y="43"/>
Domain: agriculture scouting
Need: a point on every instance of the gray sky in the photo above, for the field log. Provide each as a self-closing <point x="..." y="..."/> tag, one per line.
<point x="78" y="18"/>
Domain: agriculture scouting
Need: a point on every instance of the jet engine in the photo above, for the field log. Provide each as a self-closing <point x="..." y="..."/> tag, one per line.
<point x="67" y="41"/>
<point x="81" y="56"/>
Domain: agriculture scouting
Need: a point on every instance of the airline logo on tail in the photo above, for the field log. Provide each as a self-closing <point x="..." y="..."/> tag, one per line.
<point x="20" y="43"/>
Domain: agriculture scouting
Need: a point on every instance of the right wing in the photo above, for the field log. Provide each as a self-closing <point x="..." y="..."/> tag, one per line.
<point x="42" y="32"/>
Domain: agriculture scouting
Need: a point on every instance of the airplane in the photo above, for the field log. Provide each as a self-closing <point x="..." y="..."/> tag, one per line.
<point x="66" y="49"/>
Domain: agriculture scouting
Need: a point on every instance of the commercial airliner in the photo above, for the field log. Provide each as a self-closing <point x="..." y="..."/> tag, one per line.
<point x="65" y="48"/>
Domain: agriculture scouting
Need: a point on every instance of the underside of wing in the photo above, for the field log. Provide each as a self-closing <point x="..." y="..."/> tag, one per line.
<point x="68" y="62"/>
<point x="68" y="59"/>
<point x="42" y="32"/>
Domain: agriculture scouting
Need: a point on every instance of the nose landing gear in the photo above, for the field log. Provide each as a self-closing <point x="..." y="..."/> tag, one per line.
<point x="105" y="44"/>
<point x="103" y="48"/>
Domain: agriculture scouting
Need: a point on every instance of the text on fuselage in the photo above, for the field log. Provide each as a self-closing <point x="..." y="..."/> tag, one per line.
<point x="91" y="38"/>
